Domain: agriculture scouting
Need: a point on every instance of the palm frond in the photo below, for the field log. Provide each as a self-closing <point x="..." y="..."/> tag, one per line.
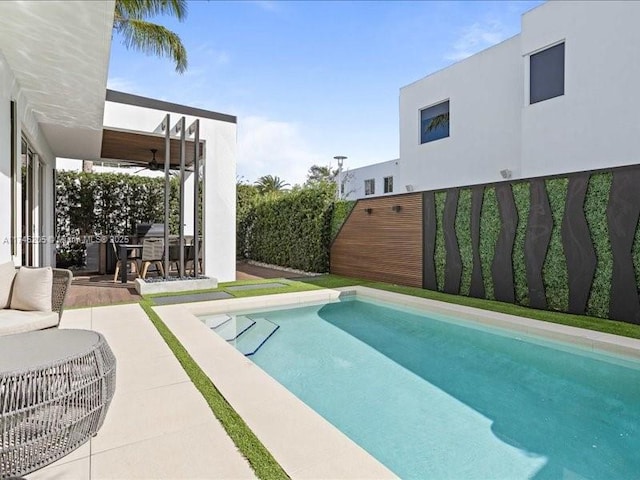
<point x="438" y="121"/>
<point x="154" y="39"/>
<point x="140" y="9"/>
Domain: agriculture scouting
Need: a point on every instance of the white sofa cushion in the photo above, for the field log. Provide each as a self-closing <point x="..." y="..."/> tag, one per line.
<point x="16" y="321"/>
<point x="32" y="289"/>
<point x="7" y="274"/>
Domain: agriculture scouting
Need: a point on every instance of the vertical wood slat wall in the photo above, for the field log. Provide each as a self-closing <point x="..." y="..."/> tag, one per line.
<point x="383" y="245"/>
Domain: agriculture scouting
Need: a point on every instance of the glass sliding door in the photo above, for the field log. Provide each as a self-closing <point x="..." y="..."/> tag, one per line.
<point x="29" y="166"/>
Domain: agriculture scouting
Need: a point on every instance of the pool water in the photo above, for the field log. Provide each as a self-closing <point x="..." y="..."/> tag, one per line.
<point x="431" y="398"/>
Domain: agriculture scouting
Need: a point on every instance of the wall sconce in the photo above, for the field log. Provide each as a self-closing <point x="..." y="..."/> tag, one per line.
<point x="506" y="173"/>
<point x="409" y="188"/>
<point x="396" y="208"/>
<point x="368" y="210"/>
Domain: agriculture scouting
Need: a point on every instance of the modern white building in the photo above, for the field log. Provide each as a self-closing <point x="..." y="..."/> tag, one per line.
<point x="370" y="181"/>
<point x="54" y="59"/>
<point x="561" y="96"/>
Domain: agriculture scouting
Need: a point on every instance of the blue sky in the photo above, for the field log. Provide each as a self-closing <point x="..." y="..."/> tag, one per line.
<point x="311" y="80"/>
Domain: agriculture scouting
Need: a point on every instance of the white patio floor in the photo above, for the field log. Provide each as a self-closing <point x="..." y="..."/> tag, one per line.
<point x="158" y="425"/>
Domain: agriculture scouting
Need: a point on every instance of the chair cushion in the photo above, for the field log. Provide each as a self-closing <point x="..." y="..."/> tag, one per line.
<point x="16" y="321"/>
<point x="7" y="274"/>
<point x="32" y="289"/>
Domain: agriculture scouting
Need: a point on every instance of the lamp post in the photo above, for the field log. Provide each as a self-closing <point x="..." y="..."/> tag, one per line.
<point x="340" y="159"/>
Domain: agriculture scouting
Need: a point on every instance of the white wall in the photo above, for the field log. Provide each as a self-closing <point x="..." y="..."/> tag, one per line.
<point x="354" y="180"/>
<point x="27" y="126"/>
<point x="220" y="181"/>
<point x="596" y="123"/>
<point x="485" y="100"/>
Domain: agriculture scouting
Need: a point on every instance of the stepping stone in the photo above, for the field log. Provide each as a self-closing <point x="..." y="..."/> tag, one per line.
<point x="195" y="297"/>
<point x="257" y="286"/>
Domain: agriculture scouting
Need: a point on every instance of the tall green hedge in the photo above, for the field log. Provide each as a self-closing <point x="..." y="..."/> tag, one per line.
<point x="440" y="254"/>
<point x="490" y="225"/>
<point x="463" y="235"/>
<point x="595" y="207"/>
<point x="291" y="229"/>
<point x="341" y="210"/>
<point x="521" y="197"/>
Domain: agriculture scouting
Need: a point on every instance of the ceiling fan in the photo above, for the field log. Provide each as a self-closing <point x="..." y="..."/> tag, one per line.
<point x="153" y="164"/>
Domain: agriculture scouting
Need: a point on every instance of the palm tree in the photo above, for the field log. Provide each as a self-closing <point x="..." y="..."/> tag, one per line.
<point x="270" y="183"/>
<point x="129" y="21"/>
<point x="441" y="120"/>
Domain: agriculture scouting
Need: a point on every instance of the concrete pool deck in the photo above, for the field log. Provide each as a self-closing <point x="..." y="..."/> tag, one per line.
<point x="158" y="425"/>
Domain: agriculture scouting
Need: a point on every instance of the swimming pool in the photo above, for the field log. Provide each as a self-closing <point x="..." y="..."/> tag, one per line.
<point x="435" y="397"/>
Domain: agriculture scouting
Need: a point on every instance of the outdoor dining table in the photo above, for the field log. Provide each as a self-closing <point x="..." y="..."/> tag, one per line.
<point x="55" y="388"/>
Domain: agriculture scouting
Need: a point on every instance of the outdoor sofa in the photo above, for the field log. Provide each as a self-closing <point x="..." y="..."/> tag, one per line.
<point x="31" y="298"/>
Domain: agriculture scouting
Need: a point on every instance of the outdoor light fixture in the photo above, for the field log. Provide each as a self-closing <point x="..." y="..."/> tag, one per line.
<point x="340" y="159"/>
<point x="368" y="210"/>
<point x="506" y="173"/>
<point x="396" y="208"/>
<point x="409" y="188"/>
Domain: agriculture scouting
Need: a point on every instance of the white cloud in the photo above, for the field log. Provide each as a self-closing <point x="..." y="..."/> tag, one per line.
<point x="268" y="5"/>
<point x="122" y="84"/>
<point x="477" y="37"/>
<point x="270" y="147"/>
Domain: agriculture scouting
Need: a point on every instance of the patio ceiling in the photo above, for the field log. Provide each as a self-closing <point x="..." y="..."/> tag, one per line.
<point x="59" y="54"/>
<point x="135" y="147"/>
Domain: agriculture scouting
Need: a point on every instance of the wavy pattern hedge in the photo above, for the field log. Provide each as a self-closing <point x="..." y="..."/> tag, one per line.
<point x="521" y="195"/>
<point x="463" y="234"/>
<point x="440" y="254"/>
<point x="490" y="224"/>
<point x="554" y="270"/>
<point x="595" y="207"/>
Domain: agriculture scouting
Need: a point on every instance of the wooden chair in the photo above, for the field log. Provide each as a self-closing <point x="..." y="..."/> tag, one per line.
<point x="129" y="261"/>
<point x="152" y="254"/>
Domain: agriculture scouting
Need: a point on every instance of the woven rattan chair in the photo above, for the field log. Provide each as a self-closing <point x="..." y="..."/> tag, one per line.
<point x="152" y="254"/>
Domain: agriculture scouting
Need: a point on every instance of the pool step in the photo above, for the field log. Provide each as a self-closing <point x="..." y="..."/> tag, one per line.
<point x="234" y="327"/>
<point x="250" y="341"/>
<point x="213" y="321"/>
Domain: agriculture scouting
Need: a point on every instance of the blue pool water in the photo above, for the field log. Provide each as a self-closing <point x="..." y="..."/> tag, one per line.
<point x="434" y="399"/>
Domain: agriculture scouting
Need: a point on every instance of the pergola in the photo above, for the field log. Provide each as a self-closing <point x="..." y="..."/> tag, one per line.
<point x="180" y="149"/>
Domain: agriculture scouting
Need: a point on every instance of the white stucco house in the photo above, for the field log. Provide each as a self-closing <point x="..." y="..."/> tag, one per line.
<point x="559" y="97"/>
<point x="54" y="59"/>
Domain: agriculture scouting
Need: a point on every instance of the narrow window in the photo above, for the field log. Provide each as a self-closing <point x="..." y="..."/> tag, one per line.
<point x="369" y="186"/>
<point x="388" y="184"/>
<point x="546" y="74"/>
<point x="434" y="122"/>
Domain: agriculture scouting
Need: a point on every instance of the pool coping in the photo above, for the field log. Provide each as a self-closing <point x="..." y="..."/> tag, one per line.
<point x="304" y="443"/>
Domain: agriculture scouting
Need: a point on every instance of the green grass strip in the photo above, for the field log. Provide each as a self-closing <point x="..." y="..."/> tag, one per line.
<point x="521" y="197"/>
<point x="262" y="462"/>
<point x="580" y="321"/>
<point x="490" y="225"/>
<point x="463" y="235"/>
<point x="595" y="208"/>
<point x="440" y="256"/>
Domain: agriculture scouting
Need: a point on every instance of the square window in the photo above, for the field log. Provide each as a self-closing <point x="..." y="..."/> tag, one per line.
<point x="369" y="187"/>
<point x="546" y="74"/>
<point x="434" y="122"/>
<point x="388" y="184"/>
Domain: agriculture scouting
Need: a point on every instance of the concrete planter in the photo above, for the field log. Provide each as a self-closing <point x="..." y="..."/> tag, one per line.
<point x="171" y="286"/>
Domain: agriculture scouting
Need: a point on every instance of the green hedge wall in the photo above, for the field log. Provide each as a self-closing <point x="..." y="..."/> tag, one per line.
<point x="291" y="229"/>
<point x="521" y="195"/>
<point x="554" y="270"/>
<point x="595" y="207"/>
<point x="340" y="212"/>
<point x="440" y="254"/>
<point x="490" y="224"/>
<point x="463" y="234"/>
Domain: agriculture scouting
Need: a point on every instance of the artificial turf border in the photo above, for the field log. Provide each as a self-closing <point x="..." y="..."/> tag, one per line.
<point x="259" y="458"/>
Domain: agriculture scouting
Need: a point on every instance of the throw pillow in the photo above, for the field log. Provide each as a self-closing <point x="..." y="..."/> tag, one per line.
<point x="32" y="289"/>
<point x="7" y="274"/>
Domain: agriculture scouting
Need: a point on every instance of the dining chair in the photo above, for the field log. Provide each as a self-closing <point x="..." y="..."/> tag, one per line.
<point x="129" y="261"/>
<point x="152" y="254"/>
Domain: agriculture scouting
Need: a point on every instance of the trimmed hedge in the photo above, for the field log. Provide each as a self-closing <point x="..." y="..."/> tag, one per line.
<point x="340" y="212"/>
<point x="440" y="256"/>
<point x="490" y="225"/>
<point x="595" y="207"/>
<point x="523" y="203"/>
<point x="463" y="234"/>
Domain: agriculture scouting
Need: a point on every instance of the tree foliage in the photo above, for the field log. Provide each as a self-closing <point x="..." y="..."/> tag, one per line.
<point x="270" y="184"/>
<point x="138" y="33"/>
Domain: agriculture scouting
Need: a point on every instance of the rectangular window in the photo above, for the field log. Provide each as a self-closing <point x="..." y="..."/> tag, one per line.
<point x="369" y="186"/>
<point x="434" y="122"/>
<point x="546" y="74"/>
<point x="388" y="184"/>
